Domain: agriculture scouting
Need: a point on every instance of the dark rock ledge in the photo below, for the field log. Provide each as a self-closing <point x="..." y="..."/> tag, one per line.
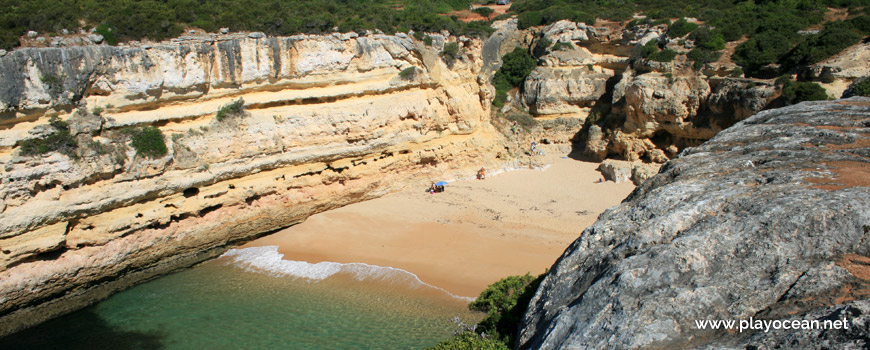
<point x="767" y="220"/>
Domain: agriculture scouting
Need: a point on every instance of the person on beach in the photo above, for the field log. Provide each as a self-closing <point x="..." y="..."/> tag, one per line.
<point x="534" y="147"/>
<point x="481" y="174"/>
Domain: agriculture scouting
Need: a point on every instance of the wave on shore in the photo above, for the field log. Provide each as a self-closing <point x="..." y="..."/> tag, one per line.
<point x="268" y="260"/>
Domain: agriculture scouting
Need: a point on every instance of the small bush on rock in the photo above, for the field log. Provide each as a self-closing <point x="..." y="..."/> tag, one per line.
<point x="60" y="141"/>
<point x="148" y="141"/>
<point x="232" y="109"/>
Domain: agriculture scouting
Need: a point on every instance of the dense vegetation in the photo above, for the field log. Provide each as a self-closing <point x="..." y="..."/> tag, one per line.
<point x="148" y="141"/>
<point x="861" y="88"/>
<point x="772" y="27"/>
<point x="451" y="52"/>
<point x="470" y="341"/>
<point x="59" y="141"/>
<point x="651" y="51"/>
<point x="515" y="67"/>
<point x="161" y="19"/>
<point x="794" y="92"/>
<point x="504" y="303"/>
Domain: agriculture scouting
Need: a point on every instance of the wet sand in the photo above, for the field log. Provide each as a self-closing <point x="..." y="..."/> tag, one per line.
<point x="463" y="239"/>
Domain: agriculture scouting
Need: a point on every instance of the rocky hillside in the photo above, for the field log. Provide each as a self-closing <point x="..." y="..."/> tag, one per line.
<point x="618" y="104"/>
<point x="326" y="121"/>
<point x="768" y="220"/>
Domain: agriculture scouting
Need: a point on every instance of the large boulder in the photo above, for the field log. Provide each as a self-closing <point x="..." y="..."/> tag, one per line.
<point x="769" y="220"/>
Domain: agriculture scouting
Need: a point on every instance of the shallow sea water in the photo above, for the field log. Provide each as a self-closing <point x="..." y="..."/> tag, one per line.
<point x="228" y="303"/>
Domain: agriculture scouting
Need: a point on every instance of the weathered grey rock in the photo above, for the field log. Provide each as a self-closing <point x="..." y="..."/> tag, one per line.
<point x="256" y="35"/>
<point x="615" y="170"/>
<point x="225" y="30"/>
<point x="83" y="122"/>
<point x="2" y="52"/>
<point x="95" y="38"/>
<point x="32" y="34"/>
<point x="766" y="220"/>
<point x="596" y="145"/>
<point x="642" y="172"/>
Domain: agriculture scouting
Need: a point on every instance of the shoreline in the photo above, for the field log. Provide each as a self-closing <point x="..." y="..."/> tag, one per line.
<point x="466" y="238"/>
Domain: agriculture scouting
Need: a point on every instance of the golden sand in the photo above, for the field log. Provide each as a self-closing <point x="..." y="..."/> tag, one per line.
<point x="471" y="235"/>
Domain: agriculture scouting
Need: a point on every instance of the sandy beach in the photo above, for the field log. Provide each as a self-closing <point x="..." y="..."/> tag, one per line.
<point x="463" y="239"/>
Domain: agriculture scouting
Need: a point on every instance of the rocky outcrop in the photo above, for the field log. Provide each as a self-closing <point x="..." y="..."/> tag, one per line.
<point x="577" y="73"/>
<point x="327" y="121"/>
<point x="667" y="112"/>
<point x="768" y="220"/>
<point x="623" y="171"/>
<point x="655" y="109"/>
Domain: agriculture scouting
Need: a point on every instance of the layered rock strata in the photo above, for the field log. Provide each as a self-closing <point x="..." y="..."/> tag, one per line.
<point x="327" y="121"/>
<point x="768" y="220"/>
<point x="654" y="109"/>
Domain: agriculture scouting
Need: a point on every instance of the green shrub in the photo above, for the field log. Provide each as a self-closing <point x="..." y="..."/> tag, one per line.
<point x="680" y="28"/>
<point x="542" y="47"/>
<point x="737" y="73"/>
<point x="834" y="38"/>
<point x="59" y="141"/>
<point x="665" y="55"/>
<point x="233" y="109"/>
<point x="707" y="39"/>
<point x="505" y="302"/>
<point x="470" y="341"/>
<point x="529" y="19"/>
<point x="427" y="40"/>
<point x="649" y="48"/>
<point x="408" y="73"/>
<point x="760" y="51"/>
<point x="795" y="92"/>
<point x="450" y="53"/>
<point x="861" y="88"/>
<point x="651" y="51"/>
<point x="148" y="141"/>
<point x="108" y="33"/>
<point x="479" y="29"/>
<point x="484" y="11"/>
<point x="501" y="88"/>
<point x="703" y="56"/>
<point x="516" y="66"/>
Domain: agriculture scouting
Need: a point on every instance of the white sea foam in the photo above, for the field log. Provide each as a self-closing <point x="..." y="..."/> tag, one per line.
<point x="268" y="260"/>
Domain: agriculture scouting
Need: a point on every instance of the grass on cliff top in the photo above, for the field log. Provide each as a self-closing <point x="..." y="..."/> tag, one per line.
<point x="772" y="27"/>
<point x="121" y="20"/>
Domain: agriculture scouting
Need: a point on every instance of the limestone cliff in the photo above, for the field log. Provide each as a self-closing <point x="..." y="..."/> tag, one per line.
<point x="328" y="121"/>
<point x="653" y="109"/>
<point x="768" y="220"/>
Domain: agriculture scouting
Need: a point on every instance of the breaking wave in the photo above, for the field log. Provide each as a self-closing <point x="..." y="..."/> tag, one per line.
<point x="268" y="260"/>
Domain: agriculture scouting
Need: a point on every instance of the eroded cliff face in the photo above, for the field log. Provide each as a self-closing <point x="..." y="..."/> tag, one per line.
<point x="768" y="220"/>
<point x="653" y="109"/>
<point x="328" y="122"/>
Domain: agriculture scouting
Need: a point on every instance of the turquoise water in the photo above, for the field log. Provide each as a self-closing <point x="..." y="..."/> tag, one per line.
<point x="221" y="305"/>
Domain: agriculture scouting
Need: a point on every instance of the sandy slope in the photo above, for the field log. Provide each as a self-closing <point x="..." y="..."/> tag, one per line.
<point x="467" y="237"/>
